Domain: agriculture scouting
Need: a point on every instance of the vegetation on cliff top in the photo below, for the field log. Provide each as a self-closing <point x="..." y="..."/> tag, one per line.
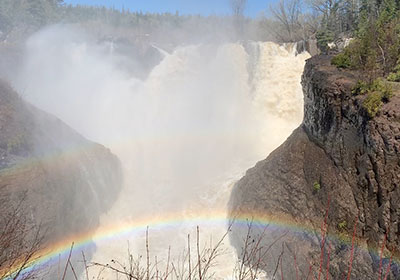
<point x="286" y="20"/>
<point x="374" y="52"/>
<point x="375" y="48"/>
<point x="377" y="92"/>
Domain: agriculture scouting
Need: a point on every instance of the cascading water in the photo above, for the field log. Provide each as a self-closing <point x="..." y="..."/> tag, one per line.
<point x="184" y="134"/>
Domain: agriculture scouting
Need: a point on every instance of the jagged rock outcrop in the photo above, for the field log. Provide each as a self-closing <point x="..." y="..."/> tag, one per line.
<point x="63" y="180"/>
<point x="337" y="152"/>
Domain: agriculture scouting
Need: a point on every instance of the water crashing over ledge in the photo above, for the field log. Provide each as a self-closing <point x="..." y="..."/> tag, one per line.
<point x="184" y="132"/>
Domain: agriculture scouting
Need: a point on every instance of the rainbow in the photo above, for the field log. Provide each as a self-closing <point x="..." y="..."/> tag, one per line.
<point x="167" y="221"/>
<point x="171" y="221"/>
<point x="71" y="153"/>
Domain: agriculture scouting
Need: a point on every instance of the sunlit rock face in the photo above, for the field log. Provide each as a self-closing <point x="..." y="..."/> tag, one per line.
<point x="63" y="181"/>
<point x="339" y="154"/>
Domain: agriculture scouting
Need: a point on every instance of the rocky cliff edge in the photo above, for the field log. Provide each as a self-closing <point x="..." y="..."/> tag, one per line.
<point x="338" y="154"/>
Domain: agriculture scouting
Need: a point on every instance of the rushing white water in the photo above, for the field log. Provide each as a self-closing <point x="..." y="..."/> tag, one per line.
<point x="185" y="134"/>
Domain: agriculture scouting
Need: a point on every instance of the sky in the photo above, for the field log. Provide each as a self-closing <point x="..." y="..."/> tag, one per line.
<point x="203" y="7"/>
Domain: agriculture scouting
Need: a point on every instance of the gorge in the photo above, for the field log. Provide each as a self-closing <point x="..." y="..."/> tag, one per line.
<point x="184" y="132"/>
<point x="185" y="123"/>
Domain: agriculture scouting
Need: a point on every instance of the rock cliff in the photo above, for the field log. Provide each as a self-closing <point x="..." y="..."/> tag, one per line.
<point x="63" y="181"/>
<point x="339" y="154"/>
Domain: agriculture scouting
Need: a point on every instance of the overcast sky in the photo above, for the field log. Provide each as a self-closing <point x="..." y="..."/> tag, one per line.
<point x="204" y="7"/>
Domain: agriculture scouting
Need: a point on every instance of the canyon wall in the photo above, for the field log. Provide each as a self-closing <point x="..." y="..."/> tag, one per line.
<point x="62" y="181"/>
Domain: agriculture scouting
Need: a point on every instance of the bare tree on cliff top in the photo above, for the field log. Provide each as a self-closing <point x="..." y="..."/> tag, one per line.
<point x="287" y="13"/>
<point x="238" y="7"/>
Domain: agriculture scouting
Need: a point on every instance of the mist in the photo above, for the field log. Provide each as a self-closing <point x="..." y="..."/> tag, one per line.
<point x="186" y="123"/>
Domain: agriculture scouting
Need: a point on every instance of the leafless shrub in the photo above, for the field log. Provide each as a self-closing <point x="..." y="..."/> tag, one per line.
<point x="20" y="241"/>
<point x="193" y="265"/>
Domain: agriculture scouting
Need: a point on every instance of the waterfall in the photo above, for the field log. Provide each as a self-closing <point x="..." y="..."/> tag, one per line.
<point x="185" y="133"/>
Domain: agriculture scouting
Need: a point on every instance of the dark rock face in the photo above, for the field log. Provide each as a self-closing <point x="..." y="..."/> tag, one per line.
<point x="356" y="162"/>
<point x="66" y="180"/>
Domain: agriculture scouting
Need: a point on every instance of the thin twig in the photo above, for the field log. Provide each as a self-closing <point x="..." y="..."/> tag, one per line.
<point x="279" y="260"/>
<point x="388" y="268"/>
<point x="190" y="266"/>
<point x="73" y="270"/>
<point x="352" y="247"/>
<point x="328" y="261"/>
<point x="381" y="257"/>
<point x="198" y="253"/>
<point x="106" y="266"/>
<point x="323" y="232"/>
<point x="309" y="271"/>
<point x="214" y="252"/>
<point x="85" y="264"/>
<point x="168" y="259"/>
<point x="69" y="257"/>
<point x="147" y="255"/>
<point x="156" y="264"/>
<point x="295" y="266"/>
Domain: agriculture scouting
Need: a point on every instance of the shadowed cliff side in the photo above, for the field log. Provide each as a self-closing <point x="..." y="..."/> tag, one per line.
<point x="63" y="181"/>
<point x="338" y="152"/>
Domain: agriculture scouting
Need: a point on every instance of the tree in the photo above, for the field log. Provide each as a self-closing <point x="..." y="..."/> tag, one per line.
<point x="238" y="7"/>
<point x="287" y="13"/>
<point x="329" y="10"/>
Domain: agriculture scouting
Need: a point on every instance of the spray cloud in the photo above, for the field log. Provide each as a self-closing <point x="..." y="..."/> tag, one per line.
<point x="184" y="131"/>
